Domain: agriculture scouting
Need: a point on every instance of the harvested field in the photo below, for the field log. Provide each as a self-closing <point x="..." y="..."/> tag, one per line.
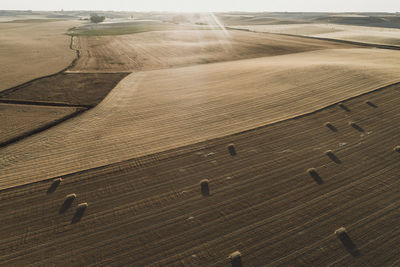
<point x="150" y="211"/>
<point x="182" y="106"/>
<point x="73" y="89"/>
<point x="31" y="50"/>
<point x="19" y="120"/>
<point x="373" y="35"/>
<point x="165" y="49"/>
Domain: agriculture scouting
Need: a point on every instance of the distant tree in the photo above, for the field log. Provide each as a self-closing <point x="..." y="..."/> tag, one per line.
<point x="96" y="18"/>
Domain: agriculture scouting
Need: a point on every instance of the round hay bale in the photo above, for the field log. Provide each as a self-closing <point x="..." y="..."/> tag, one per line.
<point x="344" y="107"/>
<point x="340" y="232"/>
<point x="82" y="206"/>
<point x="314" y="174"/>
<point x="331" y="127"/>
<point x="369" y="103"/>
<point x="396" y="149"/>
<point x="332" y="156"/>
<point x="54" y="185"/>
<point x="79" y="212"/>
<point x="356" y="126"/>
<point x="232" y="149"/>
<point x="236" y="259"/>
<point x="205" y="187"/>
<point x="67" y="202"/>
<point x="342" y="235"/>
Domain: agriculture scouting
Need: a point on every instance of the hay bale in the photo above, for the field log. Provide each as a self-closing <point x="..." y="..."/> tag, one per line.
<point x="71" y="196"/>
<point x="83" y="206"/>
<point x="205" y="188"/>
<point x="331" y="127"/>
<point x="79" y="212"/>
<point x="342" y="235"/>
<point x="236" y="259"/>
<point x="369" y="103"/>
<point x="69" y="199"/>
<point x="54" y="185"/>
<point x="356" y="126"/>
<point x="344" y="107"/>
<point x="332" y="156"/>
<point x="340" y="232"/>
<point x="314" y="174"/>
<point x="232" y="149"/>
<point x="396" y="149"/>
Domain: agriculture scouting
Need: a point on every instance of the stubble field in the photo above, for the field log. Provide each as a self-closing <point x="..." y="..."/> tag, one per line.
<point x="31" y="50"/>
<point x="167" y="49"/>
<point x="152" y="111"/>
<point x="137" y="156"/>
<point x="150" y="210"/>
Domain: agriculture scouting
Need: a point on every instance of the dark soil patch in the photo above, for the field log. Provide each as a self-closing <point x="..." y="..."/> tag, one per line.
<point x="86" y="89"/>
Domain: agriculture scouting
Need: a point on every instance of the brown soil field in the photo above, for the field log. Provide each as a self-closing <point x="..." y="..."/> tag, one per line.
<point x="73" y="89"/>
<point x="263" y="203"/>
<point x="373" y="35"/>
<point x="32" y="50"/>
<point x="166" y="49"/>
<point x="19" y="120"/>
<point x="152" y="111"/>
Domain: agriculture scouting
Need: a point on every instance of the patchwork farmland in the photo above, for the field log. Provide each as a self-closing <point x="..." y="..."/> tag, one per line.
<point x="191" y="144"/>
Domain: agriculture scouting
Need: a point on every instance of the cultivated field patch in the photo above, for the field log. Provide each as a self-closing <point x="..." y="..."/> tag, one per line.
<point x="66" y="88"/>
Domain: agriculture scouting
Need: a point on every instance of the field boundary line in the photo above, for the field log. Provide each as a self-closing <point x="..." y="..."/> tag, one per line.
<point x="40" y="103"/>
<point x="371" y="45"/>
<point x="42" y="128"/>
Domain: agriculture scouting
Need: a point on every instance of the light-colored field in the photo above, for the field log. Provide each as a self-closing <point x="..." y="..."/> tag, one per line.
<point x="31" y="50"/>
<point x="152" y="111"/>
<point x="16" y="120"/>
<point x="372" y="35"/>
<point x="165" y="49"/>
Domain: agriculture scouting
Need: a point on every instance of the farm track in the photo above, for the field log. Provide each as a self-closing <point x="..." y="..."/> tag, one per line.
<point x="149" y="210"/>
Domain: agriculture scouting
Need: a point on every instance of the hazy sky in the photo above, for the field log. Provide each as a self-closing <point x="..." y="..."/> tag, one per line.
<point x="206" y="5"/>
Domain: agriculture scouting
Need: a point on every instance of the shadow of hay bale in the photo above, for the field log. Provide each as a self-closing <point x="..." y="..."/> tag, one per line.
<point x="333" y="157"/>
<point x="344" y="107"/>
<point x="67" y="203"/>
<point x="314" y="174"/>
<point x="79" y="212"/>
<point x="232" y="149"/>
<point x="369" y="103"/>
<point x="205" y="188"/>
<point x="236" y="259"/>
<point x="331" y="127"/>
<point x="356" y="126"/>
<point x="54" y="185"/>
<point x="341" y="233"/>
